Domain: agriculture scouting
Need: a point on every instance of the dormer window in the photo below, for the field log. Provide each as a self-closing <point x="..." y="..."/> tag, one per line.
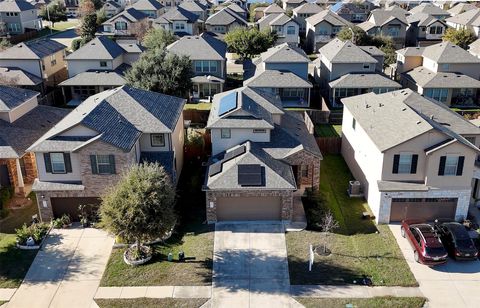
<point x="157" y="140"/>
<point x="103" y="63"/>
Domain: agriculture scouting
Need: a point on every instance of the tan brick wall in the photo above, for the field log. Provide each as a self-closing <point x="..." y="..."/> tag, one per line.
<point x="30" y="168"/>
<point x="313" y="164"/>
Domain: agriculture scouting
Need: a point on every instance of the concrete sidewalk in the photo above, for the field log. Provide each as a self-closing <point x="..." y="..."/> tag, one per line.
<point x="7" y="293"/>
<point x="353" y="291"/>
<point x="155" y="292"/>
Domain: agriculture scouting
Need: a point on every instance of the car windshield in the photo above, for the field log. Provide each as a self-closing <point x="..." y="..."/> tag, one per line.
<point x="435" y="250"/>
<point x="464" y="243"/>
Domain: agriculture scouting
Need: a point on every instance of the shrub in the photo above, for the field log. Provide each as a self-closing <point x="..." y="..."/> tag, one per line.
<point x="35" y="231"/>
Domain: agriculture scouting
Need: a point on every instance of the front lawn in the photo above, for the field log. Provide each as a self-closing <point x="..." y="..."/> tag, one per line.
<point x="358" y="246"/>
<point x="151" y="302"/>
<point x="193" y="237"/>
<point x="20" y="216"/>
<point x="14" y="263"/>
<point x="376" y="302"/>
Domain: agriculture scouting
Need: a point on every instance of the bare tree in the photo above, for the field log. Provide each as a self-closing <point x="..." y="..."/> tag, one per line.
<point x="140" y="29"/>
<point x="328" y="224"/>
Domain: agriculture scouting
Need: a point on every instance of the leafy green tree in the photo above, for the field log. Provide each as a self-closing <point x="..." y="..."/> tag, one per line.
<point x="158" y="38"/>
<point x="249" y="42"/>
<point x="385" y="44"/>
<point x="160" y="71"/>
<point x="4" y="44"/>
<point x="54" y="12"/>
<point x="461" y="37"/>
<point x="252" y="8"/>
<point x="140" y="207"/>
<point x="360" y="37"/>
<point x="88" y="27"/>
<point x="101" y="16"/>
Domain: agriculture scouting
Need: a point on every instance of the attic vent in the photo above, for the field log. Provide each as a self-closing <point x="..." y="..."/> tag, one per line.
<point x="419" y="122"/>
<point x="404" y="109"/>
<point x="93" y="43"/>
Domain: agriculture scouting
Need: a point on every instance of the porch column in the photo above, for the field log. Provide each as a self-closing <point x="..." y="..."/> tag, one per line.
<point x="21" y="184"/>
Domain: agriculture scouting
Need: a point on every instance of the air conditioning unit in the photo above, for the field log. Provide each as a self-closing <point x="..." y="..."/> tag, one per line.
<point x="355" y="189"/>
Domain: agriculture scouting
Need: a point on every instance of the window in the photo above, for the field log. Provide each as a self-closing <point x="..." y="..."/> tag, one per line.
<point x="437" y="94"/>
<point x="53" y="61"/>
<point x="206" y="66"/>
<point x="436" y="30"/>
<point x="366" y="66"/>
<point x="259" y="131"/>
<point x="225" y="133"/>
<point x="103" y="63"/>
<point x="102" y="164"/>
<point x="405" y="163"/>
<point x="179" y="26"/>
<point x="157" y="140"/>
<point x="14" y="27"/>
<point x="354" y="123"/>
<point x="58" y="163"/>
<point x="451" y="164"/>
<point x="120" y="25"/>
<point x="291" y="30"/>
<point x="336" y="29"/>
<point x="304" y="171"/>
<point x="292" y="92"/>
<point x="393" y="31"/>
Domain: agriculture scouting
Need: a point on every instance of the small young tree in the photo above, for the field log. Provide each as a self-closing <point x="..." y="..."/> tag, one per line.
<point x="461" y="37"/>
<point x="158" y="38"/>
<point x="360" y="37"/>
<point x="101" y="16"/>
<point x="249" y="42"/>
<point x="4" y="44"/>
<point x="140" y="207"/>
<point x="163" y="72"/>
<point x="88" y="27"/>
<point x="54" y="12"/>
<point x="328" y="224"/>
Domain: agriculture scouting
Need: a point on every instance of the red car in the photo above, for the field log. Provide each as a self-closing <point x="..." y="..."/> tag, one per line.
<point x="427" y="246"/>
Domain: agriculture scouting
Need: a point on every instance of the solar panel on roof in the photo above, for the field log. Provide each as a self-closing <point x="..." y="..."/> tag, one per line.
<point x="215" y="169"/>
<point x="250" y="175"/>
<point x="234" y="153"/>
<point x="227" y="103"/>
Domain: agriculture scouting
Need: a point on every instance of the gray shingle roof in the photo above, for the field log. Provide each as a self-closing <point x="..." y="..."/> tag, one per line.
<point x="179" y="13"/>
<point x="423" y="19"/>
<point x="379" y="17"/>
<point x="428" y="79"/>
<point x="459" y="8"/>
<point x="364" y="81"/>
<point x="130" y="14"/>
<point x="338" y="51"/>
<point x="199" y="47"/>
<point x="372" y="50"/>
<point x="467" y="18"/>
<point x="280" y="20"/>
<point x="233" y="6"/>
<point x="193" y="6"/>
<point x="147" y="5"/>
<point x="430" y="9"/>
<point x="225" y="17"/>
<point x="264" y="22"/>
<point x="100" y="48"/>
<point x="273" y="9"/>
<point x="95" y="78"/>
<point x="447" y="52"/>
<point x="308" y="8"/>
<point x="276" y="79"/>
<point x="56" y="186"/>
<point x="474" y="47"/>
<point x="11" y="97"/>
<point x="130" y="46"/>
<point x="284" y="53"/>
<point x="411" y="51"/>
<point x="33" y="50"/>
<point x="19" y="76"/>
<point x="15" y="6"/>
<point x="328" y="16"/>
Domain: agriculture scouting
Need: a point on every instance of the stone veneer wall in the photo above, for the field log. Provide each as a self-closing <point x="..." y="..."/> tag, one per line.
<point x="30" y="168"/>
<point x="386" y="201"/>
<point x="286" y="196"/>
<point x="95" y="184"/>
<point x="313" y="163"/>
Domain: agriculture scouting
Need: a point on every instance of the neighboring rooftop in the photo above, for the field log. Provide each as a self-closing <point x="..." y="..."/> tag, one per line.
<point x="224" y="17"/>
<point x="17" y="76"/>
<point x="276" y="79"/>
<point x="461" y="7"/>
<point x="467" y="18"/>
<point x="101" y="48"/>
<point x="284" y="53"/>
<point x="442" y="80"/>
<point x="364" y="81"/>
<point x="430" y="9"/>
<point x="199" y="47"/>
<point x="328" y="16"/>
<point x="423" y="19"/>
<point x="130" y="14"/>
<point x="447" y="52"/>
<point x="180" y="14"/>
<point x="147" y="5"/>
<point x="273" y="9"/>
<point x="380" y="17"/>
<point x="308" y="8"/>
<point x="33" y="50"/>
<point x="338" y="51"/>
<point x="15" y="6"/>
<point x="11" y="97"/>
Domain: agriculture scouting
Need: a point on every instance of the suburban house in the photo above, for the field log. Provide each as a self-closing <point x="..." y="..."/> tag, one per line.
<point x="291" y="4"/>
<point x="151" y="8"/>
<point x="444" y="72"/>
<point x="111" y="8"/>
<point x="413" y="157"/>
<point x="209" y="63"/>
<point x="424" y="29"/>
<point x="18" y="17"/>
<point x="232" y="6"/>
<point x="273" y="9"/>
<point x="71" y="7"/>
<point x="223" y="21"/>
<point x="86" y="152"/>
<point x="123" y="24"/>
<point x="392" y="23"/>
<point x="321" y="28"/>
<point x="286" y="28"/>
<point x="302" y="12"/>
<point x="22" y="122"/>
<point x="179" y="21"/>
<point x="21" y="79"/>
<point x="281" y="71"/>
<point x="262" y="158"/>
<point x="97" y="66"/>
<point x="354" y="12"/>
<point x="196" y="7"/>
<point x="43" y="58"/>
<point x="460" y="8"/>
<point x="430" y="9"/>
<point x="344" y="69"/>
<point x="258" y="13"/>
<point x="467" y="20"/>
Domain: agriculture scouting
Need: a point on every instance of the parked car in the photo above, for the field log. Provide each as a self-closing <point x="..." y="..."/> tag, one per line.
<point x="457" y="241"/>
<point x="427" y="246"/>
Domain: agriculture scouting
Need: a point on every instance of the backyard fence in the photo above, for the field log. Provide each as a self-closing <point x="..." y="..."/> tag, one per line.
<point x="196" y="116"/>
<point x="329" y="145"/>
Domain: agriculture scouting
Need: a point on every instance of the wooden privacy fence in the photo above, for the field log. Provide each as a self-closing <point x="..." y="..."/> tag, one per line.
<point x="196" y="116"/>
<point x="329" y="145"/>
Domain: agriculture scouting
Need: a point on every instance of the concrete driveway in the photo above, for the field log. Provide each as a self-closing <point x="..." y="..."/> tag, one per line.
<point x="67" y="271"/>
<point x="455" y="284"/>
<point x="250" y="267"/>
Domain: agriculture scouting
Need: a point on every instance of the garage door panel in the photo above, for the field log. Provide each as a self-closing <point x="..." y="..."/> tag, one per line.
<point x="425" y="210"/>
<point x="69" y="206"/>
<point x="249" y="208"/>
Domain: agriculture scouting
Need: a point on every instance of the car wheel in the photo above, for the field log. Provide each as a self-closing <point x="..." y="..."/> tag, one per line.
<point x="402" y="231"/>
<point x="415" y="256"/>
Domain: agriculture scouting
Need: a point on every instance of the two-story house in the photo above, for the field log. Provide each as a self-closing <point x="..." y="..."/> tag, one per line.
<point x="22" y="122"/>
<point x="179" y="21"/>
<point x="430" y="9"/>
<point x="111" y="8"/>
<point x="414" y="158"/>
<point x="302" y="12"/>
<point x="285" y="27"/>
<point x="19" y="16"/>
<point x="321" y="28"/>
<point x="392" y="23"/>
<point x="467" y="20"/>
<point x="273" y="9"/>
<point x="261" y="155"/>
<point x="343" y="69"/>
<point x="232" y="6"/>
<point x="223" y="21"/>
<point x="196" y="7"/>
<point x="86" y="152"/>
<point x="151" y="8"/>
<point x="209" y="63"/>
<point x="355" y="11"/>
<point x="123" y="24"/>
<point x="97" y="66"/>
<point x="444" y="72"/>
<point x="43" y="58"/>
<point x="424" y="29"/>
<point x="281" y="71"/>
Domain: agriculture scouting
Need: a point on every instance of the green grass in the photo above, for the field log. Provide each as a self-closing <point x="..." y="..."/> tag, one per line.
<point x="14" y="262"/>
<point x="358" y="246"/>
<point x="328" y="130"/>
<point x="376" y="302"/>
<point x="151" y="302"/>
<point x="64" y="25"/>
<point x="18" y="217"/>
<point x="192" y="237"/>
<point x="198" y="106"/>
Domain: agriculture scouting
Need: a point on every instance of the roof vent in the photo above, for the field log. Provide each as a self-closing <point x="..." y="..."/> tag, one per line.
<point x="404" y="109"/>
<point x="380" y="105"/>
<point x="432" y="117"/>
<point x="419" y="122"/>
<point x="367" y="106"/>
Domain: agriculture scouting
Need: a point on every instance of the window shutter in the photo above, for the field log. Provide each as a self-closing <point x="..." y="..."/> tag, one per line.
<point x="441" y="167"/>
<point x="413" y="168"/>
<point x="68" y="162"/>
<point x="396" y="161"/>
<point x="461" y="160"/>
<point x="93" y="163"/>
<point x="48" y="162"/>
<point x="111" y="158"/>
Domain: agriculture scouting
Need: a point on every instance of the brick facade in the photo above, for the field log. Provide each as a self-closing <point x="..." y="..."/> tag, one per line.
<point x="313" y="164"/>
<point x="30" y="168"/>
<point x="286" y="197"/>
